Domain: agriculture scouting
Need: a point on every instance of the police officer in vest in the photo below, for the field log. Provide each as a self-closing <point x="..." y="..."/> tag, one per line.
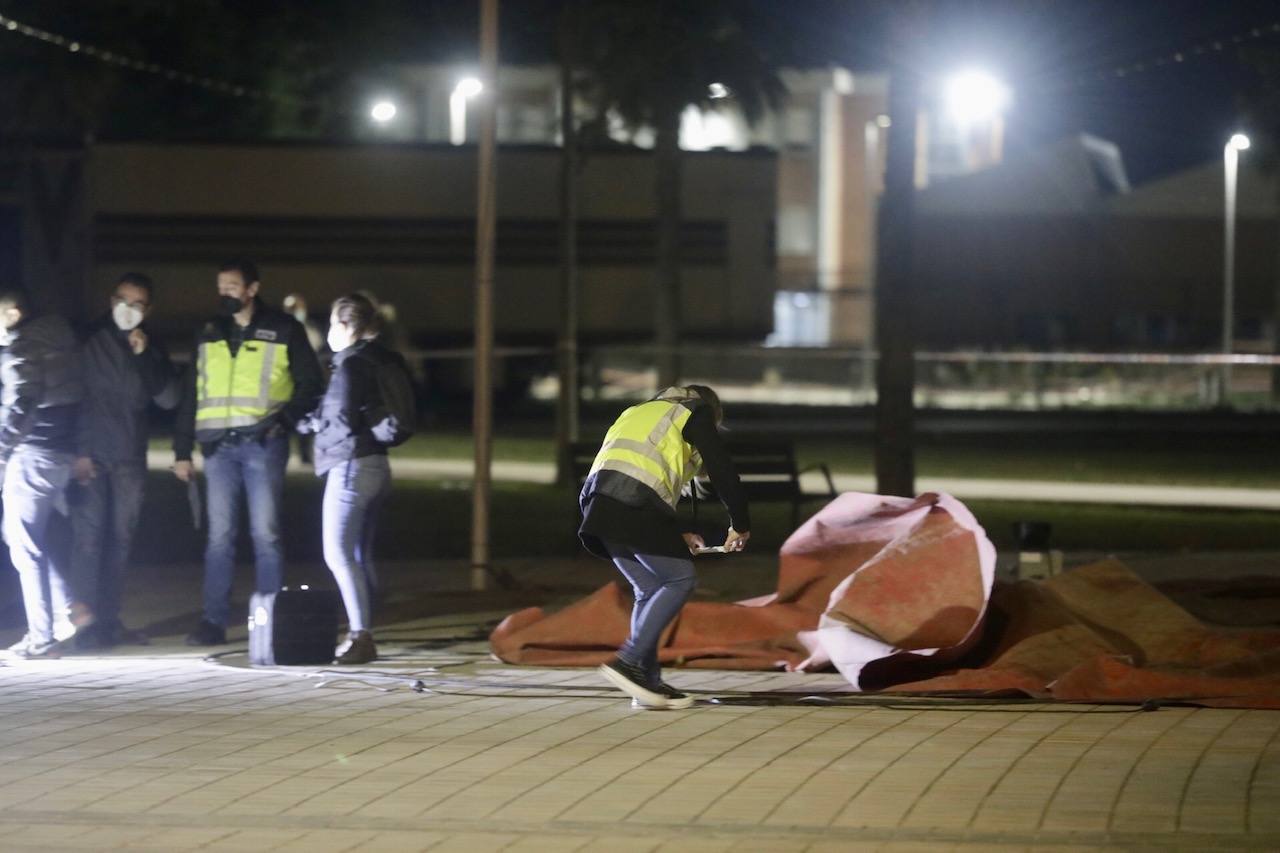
<point x="253" y="376"/>
<point x="650" y="454"/>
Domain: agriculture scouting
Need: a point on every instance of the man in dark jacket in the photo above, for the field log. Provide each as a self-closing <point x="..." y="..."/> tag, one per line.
<point x="124" y="372"/>
<point x="39" y="402"/>
<point x="253" y="377"/>
<point x="649" y="455"/>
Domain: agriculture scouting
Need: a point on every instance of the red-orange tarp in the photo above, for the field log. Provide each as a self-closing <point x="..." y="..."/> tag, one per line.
<point x="898" y="594"/>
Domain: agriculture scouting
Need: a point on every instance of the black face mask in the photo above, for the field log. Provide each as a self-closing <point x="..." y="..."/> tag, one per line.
<point x="228" y="305"/>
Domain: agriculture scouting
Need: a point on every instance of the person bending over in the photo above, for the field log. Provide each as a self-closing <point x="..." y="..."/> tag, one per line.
<point x="628" y="504"/>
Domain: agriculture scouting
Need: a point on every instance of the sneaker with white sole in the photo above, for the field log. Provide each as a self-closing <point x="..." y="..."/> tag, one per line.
<point x="38" y="651"/>
<point x="631" y="680"/>
<point x="674" y="700"/>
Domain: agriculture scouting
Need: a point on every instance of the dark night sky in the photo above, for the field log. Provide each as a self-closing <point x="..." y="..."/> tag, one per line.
<point x="1165" y="119"/>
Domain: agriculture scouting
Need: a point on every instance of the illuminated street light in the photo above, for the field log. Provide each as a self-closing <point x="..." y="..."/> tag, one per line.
<point x="717" y="91"/>
<point x="383" y="111"/>
<point x="973" y="96"/>
<point x="1230" y="162"/>
<point x="468" y="87"/>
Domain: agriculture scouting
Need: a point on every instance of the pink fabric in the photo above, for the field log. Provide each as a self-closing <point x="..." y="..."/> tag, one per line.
<point x="866" y="578"/>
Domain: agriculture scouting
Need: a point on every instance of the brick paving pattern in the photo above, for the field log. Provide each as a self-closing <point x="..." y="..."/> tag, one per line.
<point x="156" y="749"/>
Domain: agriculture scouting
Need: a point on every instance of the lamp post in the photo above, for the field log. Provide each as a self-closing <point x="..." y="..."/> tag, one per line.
<point x="486" y="230"/>
<point x="1230" y="162"/>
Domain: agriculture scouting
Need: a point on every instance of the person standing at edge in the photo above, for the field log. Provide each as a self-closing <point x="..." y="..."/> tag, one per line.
<point x="39" y="403"/>
<point x="253" y="378"/>
<point x="124" y="371"/>
<point x="628" y="503"/>
<point x="354" y="426"/>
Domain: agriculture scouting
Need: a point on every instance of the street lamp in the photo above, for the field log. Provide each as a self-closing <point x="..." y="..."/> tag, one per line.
<point x="976" y="101"/>
<point x="468" y="87"/>
<point x="383" y="111"/>
<point x="1230" y="161"/>
<point x="974" y="96"/>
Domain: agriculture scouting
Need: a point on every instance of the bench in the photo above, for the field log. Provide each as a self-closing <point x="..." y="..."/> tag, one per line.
<point x="769" y="474"/>
<point x="766" y="467"/>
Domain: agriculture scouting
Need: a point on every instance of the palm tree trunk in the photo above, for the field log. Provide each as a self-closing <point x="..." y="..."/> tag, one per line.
<point x="567" y="349"/>
<point x="1275" y="315"/>
<point x="895" y="372"/>
<point x="667" y="181"/>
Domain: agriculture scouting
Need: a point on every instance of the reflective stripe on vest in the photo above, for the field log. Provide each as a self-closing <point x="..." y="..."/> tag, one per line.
<point x="646" y="444"/>
<point x="240" y="390"/>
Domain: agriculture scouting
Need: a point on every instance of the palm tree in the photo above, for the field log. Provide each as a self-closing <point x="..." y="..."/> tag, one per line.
<point x="570" y="172"/>
<point x="895" y="370"/>
<point x="645" y="63"/>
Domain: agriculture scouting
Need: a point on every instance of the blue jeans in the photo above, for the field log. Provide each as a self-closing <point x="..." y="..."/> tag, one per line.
<point x="662" y="586"/>
<point x="258" y="468"/>
<point x="104" y="517"/>
<point x="354" y="492"/>
<point x="35" y="482"/>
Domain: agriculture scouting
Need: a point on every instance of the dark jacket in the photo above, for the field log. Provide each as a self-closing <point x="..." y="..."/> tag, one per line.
<point x="42" y="387"/>
<point x="639" y="518"/>
<point x="268" y="323"/>
<point x="352" y="406"/>
<point x="119" y="387"/>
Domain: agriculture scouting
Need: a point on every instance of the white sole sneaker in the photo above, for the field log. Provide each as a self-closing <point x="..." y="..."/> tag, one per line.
<point x="679" y="703"/>
<point x="667" y="704"/>
<point x="638" y="693"/>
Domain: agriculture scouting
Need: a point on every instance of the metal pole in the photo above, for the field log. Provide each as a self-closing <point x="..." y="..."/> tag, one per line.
<point x="567" y="411"/>
<point x="1230" y="161"/>
<point x="486" y="226"/>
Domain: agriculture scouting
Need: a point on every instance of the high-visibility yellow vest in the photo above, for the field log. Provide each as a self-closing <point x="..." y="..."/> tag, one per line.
<point x="240" y="390"/>
<point x="646" y="444"/>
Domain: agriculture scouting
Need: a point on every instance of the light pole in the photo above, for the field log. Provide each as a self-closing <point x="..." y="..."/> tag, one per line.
<point x="486" y="230"/>
<point x="1230" y="162"/>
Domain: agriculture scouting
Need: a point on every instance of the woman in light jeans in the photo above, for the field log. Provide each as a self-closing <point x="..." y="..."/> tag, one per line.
<point x="353" y="460"/>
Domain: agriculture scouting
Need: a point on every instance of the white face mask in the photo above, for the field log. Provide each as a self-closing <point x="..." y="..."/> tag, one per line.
<point x="126" y="317"/>
<point x="339" y="338"/>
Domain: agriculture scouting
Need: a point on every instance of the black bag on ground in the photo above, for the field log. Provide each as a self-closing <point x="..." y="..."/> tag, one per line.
<point x="292" y="627"/>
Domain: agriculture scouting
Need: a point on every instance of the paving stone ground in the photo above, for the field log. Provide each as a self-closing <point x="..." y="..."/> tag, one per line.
<point x="437" y="748"/>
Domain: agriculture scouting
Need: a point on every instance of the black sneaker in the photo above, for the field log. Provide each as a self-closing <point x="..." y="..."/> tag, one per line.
<point x="633" y="681"/>
<point x="675" y="700"/>
<point x="106" y="635"/>
<point x="359" y="648"/>
<point x="207" y="634"/>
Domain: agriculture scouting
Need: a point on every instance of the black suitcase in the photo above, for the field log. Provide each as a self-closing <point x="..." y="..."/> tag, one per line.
<point x="292" y="627"/>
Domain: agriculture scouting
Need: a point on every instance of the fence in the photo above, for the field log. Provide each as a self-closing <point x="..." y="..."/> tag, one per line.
<point x="968" y="380"/>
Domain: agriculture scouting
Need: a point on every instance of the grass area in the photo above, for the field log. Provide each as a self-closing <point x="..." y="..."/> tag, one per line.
<point x="1017" y="458"/>
<point x="431" y="520"/>
<point x="1245" y="464"/>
